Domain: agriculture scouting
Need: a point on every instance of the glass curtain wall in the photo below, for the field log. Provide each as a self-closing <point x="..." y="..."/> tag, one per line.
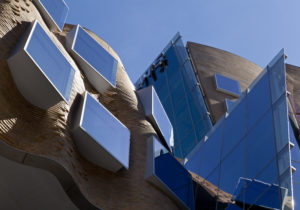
<point x="174" y="80"/>
<point x="247" y="153"/>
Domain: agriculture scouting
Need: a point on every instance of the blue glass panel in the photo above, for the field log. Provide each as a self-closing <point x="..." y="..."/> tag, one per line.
<point x="296" y="196"/>
<point x="90" y="50"/>
<point x="227" y="85"/>
<point x="269" y="174"/>
<point x="173" y="63"/>
<point x="284" y="160"/>
<point x="211" y="152"/>
<point x="260" y="147"/>
<point x="188" y="143"/>
<point x="286" y="188"/>
<point x="184" y="123"/>
<point x="269" y="199"/>
<point x="232" y="169"/>
<point x="177" y="92"/>
<point x="277" y="77"/>
<point x="295" y="151"/>
<point x="162" y="119"/>
<point x="201" y="129"/>
<point x="235" y="127"/>
<point x="296" y="174"/>
<point x="57" y="9"/>
<point x="194" y="162"/>
<point x="214" y="177"/>
<point x="258" y="101"/>
<point x="228" y="104"/>
<point x="165" y="168"/>
<point x="233" y="207"/>
<point x="280" y="115"/>
<point x="51" y="61"/>
<point x="101" y="125"/>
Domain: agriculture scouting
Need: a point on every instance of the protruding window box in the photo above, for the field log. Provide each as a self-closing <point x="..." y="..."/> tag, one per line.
<point x="54" y="12"/>
<point x="166" y="173"/>
<point x="100" y="137"/>
<point x="99" y="66"/>
<point x="156" y="114"/>
<point x="41" y="72"/>
<point x="227" y="85"/>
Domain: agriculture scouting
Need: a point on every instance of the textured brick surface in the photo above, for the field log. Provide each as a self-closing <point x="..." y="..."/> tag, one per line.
<point x="207" y="61"/>
<point x="47" y="133"/>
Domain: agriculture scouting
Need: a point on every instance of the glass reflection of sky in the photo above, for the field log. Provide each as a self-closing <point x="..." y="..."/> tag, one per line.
<point x="227" y="85"/>
<point x="162" y="119"/>
<point x="57" y="9"/>
<point x="93" y="53"/>
<point x="173" y="174"/>
<point x="51" y="61"/>
<point x="254" y="141"/>
<point x="101" y="125"/>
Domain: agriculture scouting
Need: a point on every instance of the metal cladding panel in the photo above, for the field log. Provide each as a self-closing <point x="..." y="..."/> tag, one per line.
<point x="41" y="72"/>
<point x="99" y="66"/>
<point x="100" y="137"/>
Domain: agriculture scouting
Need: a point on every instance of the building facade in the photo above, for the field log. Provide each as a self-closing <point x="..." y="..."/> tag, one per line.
<point x="194" y="132"/>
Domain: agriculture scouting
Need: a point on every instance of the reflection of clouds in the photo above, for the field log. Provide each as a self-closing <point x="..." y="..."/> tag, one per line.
<point x="7" y="124"/>
<point x="288" y="203"/>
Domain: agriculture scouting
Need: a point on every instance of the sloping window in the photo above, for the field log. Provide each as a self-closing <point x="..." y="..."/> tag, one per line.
<point x="156" y="114"/>
<point x="227" y="85"/>
<point x="41" y="72"/>
<point x="99" y="66"/>
<point x="100" y="137"/>
<point x="165" y="172"/>
<point x="54" y="12"/>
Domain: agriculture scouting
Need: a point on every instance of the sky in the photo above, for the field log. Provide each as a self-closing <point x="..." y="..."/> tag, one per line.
<point x="138" y="30"/>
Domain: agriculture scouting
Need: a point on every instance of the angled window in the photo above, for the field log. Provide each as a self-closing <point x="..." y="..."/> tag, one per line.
<point x="228" y="104"/>
<point x="41" y="72"/>
<point x="156" y="114"/>
<point x="227" y="85"/>
<point x="100" y="137"/>
<point x="166" y="173"/>
<point x="99" y="66"/>
<point x="54" y="12"/>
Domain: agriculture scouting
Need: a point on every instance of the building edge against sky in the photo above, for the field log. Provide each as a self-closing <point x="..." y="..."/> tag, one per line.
<point x="41" y="141"/>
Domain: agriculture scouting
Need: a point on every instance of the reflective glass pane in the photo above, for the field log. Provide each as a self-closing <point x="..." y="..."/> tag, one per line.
<point x="277" y="78"/>
<point x="228" y="104"/>
<point x="258" y="101"/>
<point x="162" y="119"/>
<point x="235" y="127"/>
<point x="269" y="174"/>
<point x="296" y="174"/>
<point x="227" y="85"/>
<point x="214" y="177"/>
<point x="93" y="53"/>
<point x="165" y="168"/>
<point x="211" y="152"/>
<point x="284" y="160"/>
<point x="194" y="162"/>
<point x="58" y="11"/>
<point x="260" y="149"/>
<point x="280" y="115"/>
<point x="188" y="143"/>
<point x="101" y="125"/>
<point x="269" y="198"/>
<point x="51" y="61"/>
<point x="232" y="169"/>
<point x="184" y="123"/>
<point x="177" y="92"/>
<point x="173" y="63"/>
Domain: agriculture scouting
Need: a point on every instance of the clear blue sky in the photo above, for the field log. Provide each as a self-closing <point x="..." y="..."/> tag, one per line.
<point x="138" y="29"/>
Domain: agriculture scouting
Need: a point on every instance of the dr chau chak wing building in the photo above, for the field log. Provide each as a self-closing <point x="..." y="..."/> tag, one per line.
<point x="201" y="129"/>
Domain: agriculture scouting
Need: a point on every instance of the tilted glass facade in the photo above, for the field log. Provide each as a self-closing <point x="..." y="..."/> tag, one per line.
<point x="174" y="80"/>
<point x="164" y="171"/>
<point x="251" y="142"/>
